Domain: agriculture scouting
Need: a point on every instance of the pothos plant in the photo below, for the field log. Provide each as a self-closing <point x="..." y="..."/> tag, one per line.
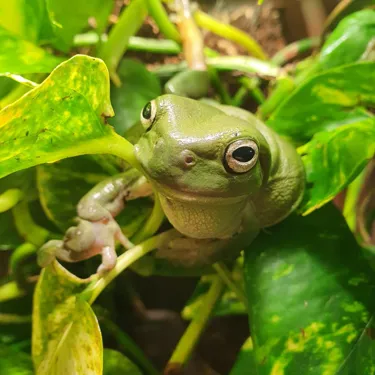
<point x="307" y="284"/>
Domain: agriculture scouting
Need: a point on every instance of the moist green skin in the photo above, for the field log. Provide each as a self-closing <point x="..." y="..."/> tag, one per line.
<point x="216" y="212"/>
<point x="202" y="199"/>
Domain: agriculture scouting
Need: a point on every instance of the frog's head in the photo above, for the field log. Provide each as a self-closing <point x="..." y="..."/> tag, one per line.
<point x="192" y="150"/>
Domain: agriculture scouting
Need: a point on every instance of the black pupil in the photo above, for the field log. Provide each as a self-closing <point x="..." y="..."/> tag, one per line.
<point x="146" y="113"/>
<point x="243" y="154"/>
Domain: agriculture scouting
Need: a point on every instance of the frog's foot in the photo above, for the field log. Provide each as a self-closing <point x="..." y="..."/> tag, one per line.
<point x="84" y="241"/>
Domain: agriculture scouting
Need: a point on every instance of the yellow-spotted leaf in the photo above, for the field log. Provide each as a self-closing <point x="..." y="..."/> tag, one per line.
<point x="62" y="117"/>
<point x="66" y="338"/>
<point x="245" y="362"/>
<point x="312" y="298"/>
<point x="326" y="101"/>
<point x="333" y="159"/>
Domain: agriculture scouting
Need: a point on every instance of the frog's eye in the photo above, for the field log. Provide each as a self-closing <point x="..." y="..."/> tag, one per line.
<point x="241" y="156"/>
<point x="148" y="115"/>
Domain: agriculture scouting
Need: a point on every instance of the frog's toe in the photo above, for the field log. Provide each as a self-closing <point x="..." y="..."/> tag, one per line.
<point x="48" y="252"/>
<point x="109" y="259"/>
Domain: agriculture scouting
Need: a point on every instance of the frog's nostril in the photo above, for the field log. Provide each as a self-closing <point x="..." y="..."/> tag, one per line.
<point x="188" y="158"/>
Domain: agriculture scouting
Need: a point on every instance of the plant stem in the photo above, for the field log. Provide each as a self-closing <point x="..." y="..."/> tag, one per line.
<point x="292" y="50"/>
<point x="122" y="148"/>
<point x="224" y="273"/>
<point x="10" y="198"/>
<point x="165" y="46"/>
<point x="191" y="36"/>
<point x="20" y="79"/>
<point x="160" y="16"/>
<point x="195" y="329"/>
<point x="136" y="43"/>
<point x="128" y="24"/>
<point x="26" y="227"/>
<point x="243" y="64"/>
<point x="230" y="32"/>
<point x="14" y="319"/>
<point x="10" y="291"/>
<point x="17" y="260"/>
<point x="252" y="84"/>
<point x="128" y="346"/>
<point x="153" y="223"/>
<point x="219" y="86"/>
<point x="124" y="261"/>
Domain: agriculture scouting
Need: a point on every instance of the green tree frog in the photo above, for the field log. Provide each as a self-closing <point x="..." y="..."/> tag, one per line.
<point x="221" y="176"/>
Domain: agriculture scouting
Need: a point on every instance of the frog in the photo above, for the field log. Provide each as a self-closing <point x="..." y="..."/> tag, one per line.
<point x="221" y="176"/>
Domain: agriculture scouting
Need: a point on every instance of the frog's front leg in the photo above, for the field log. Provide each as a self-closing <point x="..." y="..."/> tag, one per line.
<point x="97" y="230"/>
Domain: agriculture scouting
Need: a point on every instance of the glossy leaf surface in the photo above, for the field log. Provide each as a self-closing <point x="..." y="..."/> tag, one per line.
<point x="66" y="335"/>
<point x="327" y="101"/>
<point x="311" y="293"/>
<point x="333" y="159"/>
<point x="349" y="40"/>
<point x="62" y="117"/>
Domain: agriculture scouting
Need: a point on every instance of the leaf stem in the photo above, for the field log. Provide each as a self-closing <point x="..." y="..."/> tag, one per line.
<point x="244" y="64"/>
<point x="26" y="227"/>
<point x="224" y="273"/>
<point x="10" y="198"/>
<point x="192" y="40"/>
<point x="160" y="16"/>
<point x="10" y="291"/>
<point x="153" y="223"/>
<point x="130" y="21"/>
<point x="17" y="260"/>
<point x="294" y="49"/>
<point x="230" y="32"/>
<point x="124" y="261"/>
<point x="195" y="329"/>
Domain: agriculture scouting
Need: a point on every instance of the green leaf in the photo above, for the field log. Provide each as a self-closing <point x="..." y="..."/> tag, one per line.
<point x="14" y="362"/>
<point x="70" y="19"/>
<point x="347" y="43"/>
<point x="245" y="361"/>
<point x="116" y="363"/>
<point x="62" y="117"/>
<point x="66" y="335"/>
<point x="22" y="17"/>
<point x="327" y="101"/>
<point x="19" y="56"/>
<point x="311" y="292"/>
<point x="349" y="40"/>
<point x="333" y="159"/>
<point x="139" y="86"/>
